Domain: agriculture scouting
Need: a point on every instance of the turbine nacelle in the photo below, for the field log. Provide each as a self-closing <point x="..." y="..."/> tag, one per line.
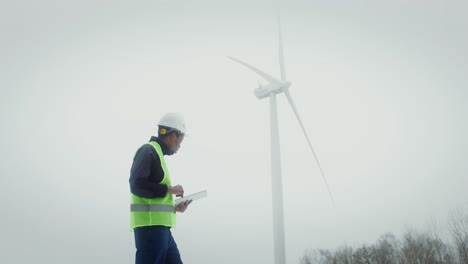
<point x="264" y="90"/>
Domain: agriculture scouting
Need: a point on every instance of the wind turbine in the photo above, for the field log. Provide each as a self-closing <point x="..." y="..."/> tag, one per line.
<point x="270" y="90"/>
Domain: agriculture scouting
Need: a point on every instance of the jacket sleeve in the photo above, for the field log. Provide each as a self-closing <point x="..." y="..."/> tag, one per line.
<point x="146" y="174"/>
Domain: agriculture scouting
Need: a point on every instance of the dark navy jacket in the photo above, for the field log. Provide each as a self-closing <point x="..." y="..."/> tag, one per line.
<point x="147" y="173"/>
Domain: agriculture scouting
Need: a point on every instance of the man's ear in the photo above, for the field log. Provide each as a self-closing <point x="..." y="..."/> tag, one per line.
<point x="174" y="136"/>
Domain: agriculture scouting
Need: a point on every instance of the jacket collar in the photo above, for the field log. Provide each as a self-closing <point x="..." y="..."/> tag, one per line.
<point x="164" y="147"/>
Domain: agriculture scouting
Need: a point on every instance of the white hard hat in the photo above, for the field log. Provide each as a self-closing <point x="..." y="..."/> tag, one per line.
<point x="173" y="120"/>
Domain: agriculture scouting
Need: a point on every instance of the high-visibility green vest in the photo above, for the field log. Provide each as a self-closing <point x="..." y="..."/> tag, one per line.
<point x="154" y="211"/>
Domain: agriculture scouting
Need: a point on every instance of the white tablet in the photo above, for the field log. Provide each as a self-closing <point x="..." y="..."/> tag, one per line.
<point x="192" y="197"/>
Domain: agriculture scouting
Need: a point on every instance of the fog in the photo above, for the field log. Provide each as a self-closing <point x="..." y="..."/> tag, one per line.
<point x="380" y="85"/>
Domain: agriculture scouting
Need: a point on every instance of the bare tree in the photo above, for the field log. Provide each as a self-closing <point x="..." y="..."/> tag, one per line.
<point x="415" y="248"/>
<point x="423" y="248"/>
<point x="386" y="250"/>
<point x="344" y="255"/>
<point x="307" y="259"/>
<point x="444" y="252"/>
<point x="312" y="257"/>
<point x="362" y="255"/>
<point x="459" y="226"/>
<point x="327" y="256"/>
<point x="320" y="256"/>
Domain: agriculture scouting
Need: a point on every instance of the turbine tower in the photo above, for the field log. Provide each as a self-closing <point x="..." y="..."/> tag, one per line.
<point x="270" y="90"/>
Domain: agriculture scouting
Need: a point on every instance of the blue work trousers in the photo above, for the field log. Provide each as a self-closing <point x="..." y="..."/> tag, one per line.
<point x="155" y="245"/>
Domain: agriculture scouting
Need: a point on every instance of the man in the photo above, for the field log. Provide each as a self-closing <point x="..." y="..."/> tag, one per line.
<point x="152" y="203"/>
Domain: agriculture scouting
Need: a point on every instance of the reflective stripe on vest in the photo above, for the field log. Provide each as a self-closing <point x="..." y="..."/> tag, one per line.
<point x="154" y="211"/>
<point x="152" y="208"/>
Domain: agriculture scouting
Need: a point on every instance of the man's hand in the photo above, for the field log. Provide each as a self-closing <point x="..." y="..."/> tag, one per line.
<point x="177" y="190"/>
<point x="183" y="206"/>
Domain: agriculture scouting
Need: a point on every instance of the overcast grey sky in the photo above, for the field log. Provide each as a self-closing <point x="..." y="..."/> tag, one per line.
<point x="381" y="87"/>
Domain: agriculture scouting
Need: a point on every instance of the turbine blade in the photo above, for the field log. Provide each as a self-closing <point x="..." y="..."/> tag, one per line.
<point x="293" y="106"/>
<point x="280" y="51"/>
<point x="266" y="76"/>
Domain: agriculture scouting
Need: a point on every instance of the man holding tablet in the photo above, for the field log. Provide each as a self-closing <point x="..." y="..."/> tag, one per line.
<point x="152" y="206"/>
